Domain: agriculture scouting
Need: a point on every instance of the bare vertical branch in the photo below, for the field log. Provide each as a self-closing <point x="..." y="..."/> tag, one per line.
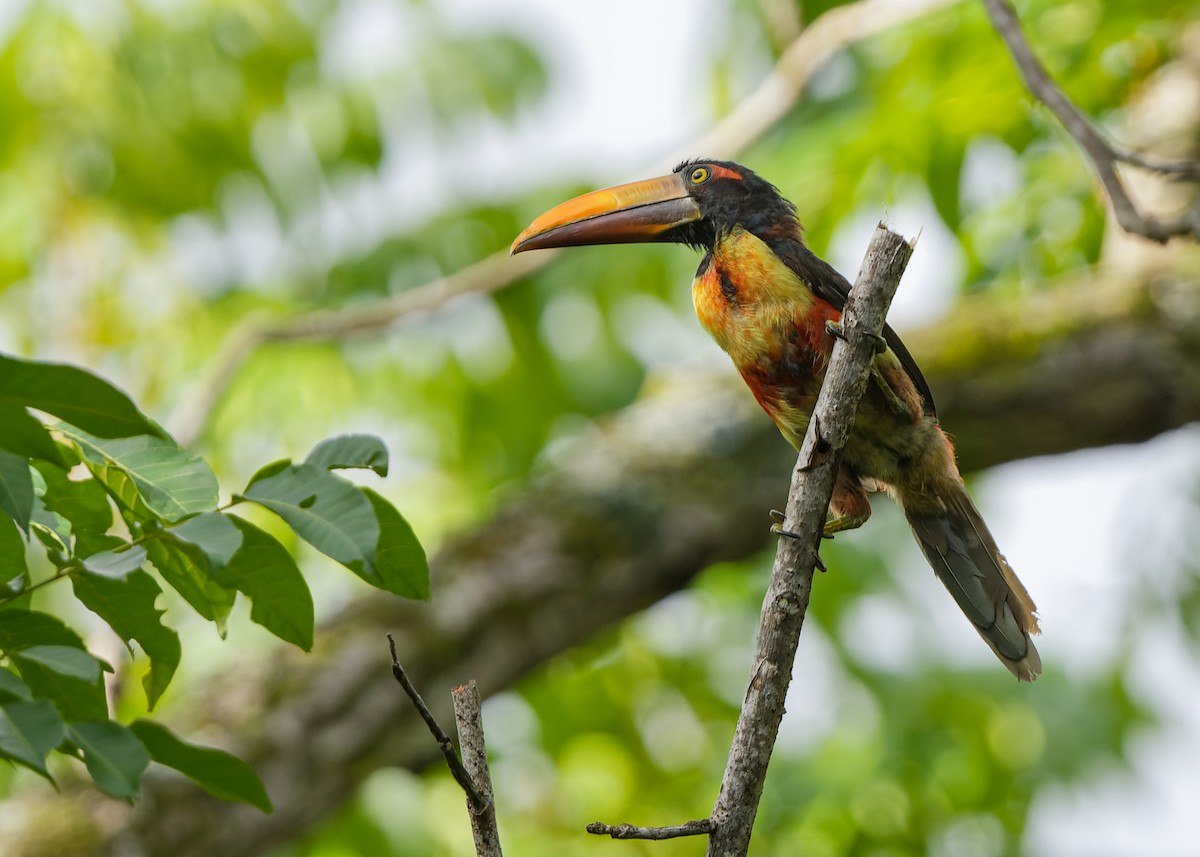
<point x="474" y="756"/>
<point x="791" y="579"/>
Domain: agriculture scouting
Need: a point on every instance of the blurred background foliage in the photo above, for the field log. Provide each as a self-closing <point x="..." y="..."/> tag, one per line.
<point x="170" y="168"/>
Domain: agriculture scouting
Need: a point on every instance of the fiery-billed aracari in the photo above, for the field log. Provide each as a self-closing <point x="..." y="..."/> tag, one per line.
<point x="774" y="306"/>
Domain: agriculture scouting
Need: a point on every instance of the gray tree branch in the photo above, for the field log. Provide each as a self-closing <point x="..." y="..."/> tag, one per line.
<point x="468" y="716"/>
<point x="788" y="593"/>
<point x="1103" y="154"/>
<point x="698" y="827"/>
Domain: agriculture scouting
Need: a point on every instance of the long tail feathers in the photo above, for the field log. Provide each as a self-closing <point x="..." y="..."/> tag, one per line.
<point x="965" y="558"/>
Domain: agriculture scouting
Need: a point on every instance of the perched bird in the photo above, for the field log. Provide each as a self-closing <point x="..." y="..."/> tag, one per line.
<point x="774" y="307"/>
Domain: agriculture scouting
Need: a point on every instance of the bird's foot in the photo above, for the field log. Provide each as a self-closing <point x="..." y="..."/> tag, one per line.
<point x="777" y="529"/>
<point x="835" y="329"/>
<point x="842" y="523"/>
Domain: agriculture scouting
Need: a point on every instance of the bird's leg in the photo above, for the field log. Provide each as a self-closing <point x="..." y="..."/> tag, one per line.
<point x="897" y="405"/>
<point x="777" y="529"/>
<point x="849" y="506"/>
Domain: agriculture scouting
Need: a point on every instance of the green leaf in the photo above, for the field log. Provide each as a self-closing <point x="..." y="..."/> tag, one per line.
<point x="400" y="563"/>
<point x="116" y="563"/>
<point x="190" y="554"/>
<point x="124" y="596"/>
<point x="22" y="629"/>
<point x="328" y="512"/>
<point x="12" y="689"/>
<point x="264" y="571"/>
<point x="114" y="756"/>
<point x="16" y="489"/>
<point x="67" y="676"/>
<point x="73" y="395"/>
<point x="65" y="660"/>
<point x="51" y="529"/>
<point x="149" y="474"/>
<point x="351" y="450"/>
<point x="23" y="435"/>
<point x="270" y="469"/>
<point x="213" y="534"/>
<point x="81" y="501"/>
<point x="28" y="732"/>
<point x="16" y="593"/>
<point x="217" y="772"/>
<point x="14" y="574"/>
<point x="185" y="568"/>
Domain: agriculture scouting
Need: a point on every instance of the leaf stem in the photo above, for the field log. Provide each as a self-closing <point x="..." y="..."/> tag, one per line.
<point x="64" y="571"/>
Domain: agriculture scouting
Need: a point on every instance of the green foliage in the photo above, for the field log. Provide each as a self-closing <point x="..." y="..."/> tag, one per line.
<point x="263" y="571"/>
<point x="124" y="596"/>
<point x="114" y="756"/>
<point x="28" y="730"/>
<point x="150" y="477"/>
<point x="71" y="394"/>
<point x="62" y="485"/>
<point x="349" y="451"/>
<point x="220" y="774"/>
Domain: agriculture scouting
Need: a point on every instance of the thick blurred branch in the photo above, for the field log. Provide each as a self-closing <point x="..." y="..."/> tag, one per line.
<point x="1103" y="154"/>
<point x="633" y="512"/>
<point x="754" y="115"/>
<point x="788" y="593"/>
<point x="1093" y="361"/>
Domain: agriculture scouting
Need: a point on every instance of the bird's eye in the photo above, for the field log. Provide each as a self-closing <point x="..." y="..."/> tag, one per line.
<point x="699" y="175"/>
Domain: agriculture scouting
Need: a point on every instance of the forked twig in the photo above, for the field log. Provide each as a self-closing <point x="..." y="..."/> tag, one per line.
<point x="478" y="799"/>
<point x="1103" y="154"/>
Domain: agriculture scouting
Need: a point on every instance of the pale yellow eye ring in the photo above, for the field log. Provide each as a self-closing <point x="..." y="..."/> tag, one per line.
<point x="699" y="175"/>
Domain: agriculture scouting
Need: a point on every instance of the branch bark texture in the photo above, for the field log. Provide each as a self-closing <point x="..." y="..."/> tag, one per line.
<point x="697" y="827"/>
<point x="482" y="808"/>
<point x="791" y="578"/>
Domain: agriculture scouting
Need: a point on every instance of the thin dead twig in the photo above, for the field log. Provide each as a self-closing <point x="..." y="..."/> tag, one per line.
<point x="699" y="827"/>
<point x="478" y="799"/>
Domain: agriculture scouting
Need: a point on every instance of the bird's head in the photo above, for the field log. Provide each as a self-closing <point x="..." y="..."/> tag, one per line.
<point x="694" y="204"/>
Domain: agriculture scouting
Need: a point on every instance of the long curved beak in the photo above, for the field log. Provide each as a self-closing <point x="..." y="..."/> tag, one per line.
<point x="628" y="213"/>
